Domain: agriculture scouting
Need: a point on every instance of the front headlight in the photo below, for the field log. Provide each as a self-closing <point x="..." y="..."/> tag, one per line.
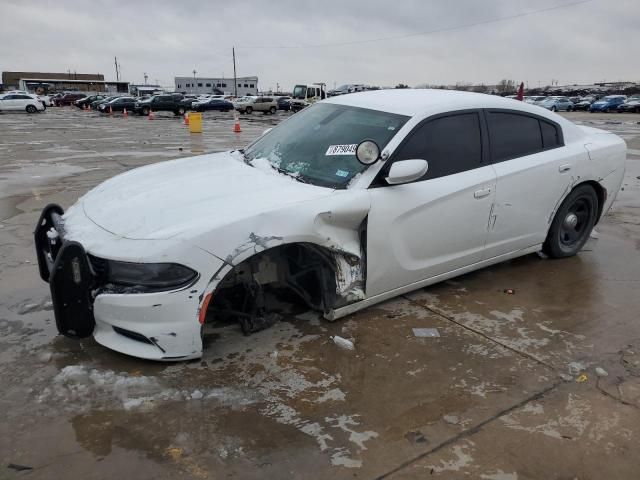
<point x="149" y="276"/>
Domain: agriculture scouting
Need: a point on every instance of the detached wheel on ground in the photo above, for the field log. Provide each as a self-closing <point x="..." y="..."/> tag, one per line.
<point x="573" y="223"/>
<point x="31" y="109"/>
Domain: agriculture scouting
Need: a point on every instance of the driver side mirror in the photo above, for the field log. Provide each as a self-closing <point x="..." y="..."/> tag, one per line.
<point x="405" y="171"/>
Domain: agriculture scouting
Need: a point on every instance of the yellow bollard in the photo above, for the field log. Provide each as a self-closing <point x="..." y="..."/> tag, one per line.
<point x="195" y="122"/>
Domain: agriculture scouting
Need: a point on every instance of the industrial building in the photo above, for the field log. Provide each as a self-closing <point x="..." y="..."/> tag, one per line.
<point x="245" y="85"/>
<point x="47" y="82"/>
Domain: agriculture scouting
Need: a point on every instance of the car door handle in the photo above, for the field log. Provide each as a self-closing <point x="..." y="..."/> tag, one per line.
<point x="564" y="168"/>
<point x="481" y="193"/>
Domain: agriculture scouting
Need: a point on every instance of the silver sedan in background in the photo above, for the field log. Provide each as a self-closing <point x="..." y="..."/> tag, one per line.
<point x="557" y="104"/>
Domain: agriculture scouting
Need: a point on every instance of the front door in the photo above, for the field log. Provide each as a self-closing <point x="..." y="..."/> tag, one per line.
<point x="439" y="223"/>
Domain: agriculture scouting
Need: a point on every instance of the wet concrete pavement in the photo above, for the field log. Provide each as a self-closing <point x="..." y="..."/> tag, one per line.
<point x="508" y="391"/>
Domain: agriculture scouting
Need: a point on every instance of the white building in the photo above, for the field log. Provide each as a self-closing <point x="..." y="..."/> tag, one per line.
<point x="245" y="85"/>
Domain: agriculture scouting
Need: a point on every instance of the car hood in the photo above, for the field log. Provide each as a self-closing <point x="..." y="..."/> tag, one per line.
<point x="185" y="197"/>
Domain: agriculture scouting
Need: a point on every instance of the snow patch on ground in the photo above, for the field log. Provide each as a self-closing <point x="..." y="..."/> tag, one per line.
<point x="80" y="388"/>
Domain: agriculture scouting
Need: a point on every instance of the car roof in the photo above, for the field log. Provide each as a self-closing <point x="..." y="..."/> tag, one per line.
<point x="413" y="102"/>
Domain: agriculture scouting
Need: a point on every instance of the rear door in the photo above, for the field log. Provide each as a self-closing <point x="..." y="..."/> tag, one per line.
<point x="534" y="171"/>
<point x="437" y="224"/>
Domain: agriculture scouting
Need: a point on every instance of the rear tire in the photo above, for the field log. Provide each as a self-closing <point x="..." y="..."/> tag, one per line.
<point x="272" y="110"/>
<point x="572" y="223"/>
<point x="553" y="109"/>
<point x="31" y="109"/>
<point x="181" y="111"/>
<point x="145" y="111"/>
<point x="248" y="110"/>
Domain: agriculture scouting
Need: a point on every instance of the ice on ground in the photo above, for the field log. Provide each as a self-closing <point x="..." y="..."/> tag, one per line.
<point x="79" y="387"/>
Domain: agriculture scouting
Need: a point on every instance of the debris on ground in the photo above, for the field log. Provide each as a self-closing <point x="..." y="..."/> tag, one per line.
<point x="601" y="372"/>
<point x="426" y="332"/>
<point x="594" y="234"/>
<point x="415" y="437"/>
<point x="576" y="367"/>
<point x="509" y="291"/>
<point x="582" y="378"/>
<point x="451" y="419"/>
<point x="343" y="342"/>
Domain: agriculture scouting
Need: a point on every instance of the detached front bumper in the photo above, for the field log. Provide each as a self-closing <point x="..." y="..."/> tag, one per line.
<point x="156" y="326"/>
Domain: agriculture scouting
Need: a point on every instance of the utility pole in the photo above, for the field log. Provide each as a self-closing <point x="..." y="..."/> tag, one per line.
<point x="235" y="79"/>
<point x="194" y="80"/>
<point x="117" y="72"/>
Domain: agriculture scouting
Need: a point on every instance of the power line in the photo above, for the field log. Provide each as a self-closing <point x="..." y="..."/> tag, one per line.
<point x="427" y="32"/>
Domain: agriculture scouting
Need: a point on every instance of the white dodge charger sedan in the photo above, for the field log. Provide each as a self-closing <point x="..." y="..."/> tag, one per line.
<point x="352" y="201"/>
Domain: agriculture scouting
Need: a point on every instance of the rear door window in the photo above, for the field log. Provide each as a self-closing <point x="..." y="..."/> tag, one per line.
<point x="550" y="135"/>
<point x="451" y="144"/>
<point x="513" y="135"/>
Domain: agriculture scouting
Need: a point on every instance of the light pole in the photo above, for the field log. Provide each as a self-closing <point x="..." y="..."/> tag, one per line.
<point x="194" y="78"/>
<point x="145" y="77"/>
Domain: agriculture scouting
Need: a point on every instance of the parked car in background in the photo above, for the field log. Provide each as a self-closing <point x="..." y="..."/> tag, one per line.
<point x="96" y="103"/>
<point x="257" y="104"/>
<point x="284" y="103"/>
<point x="334" y="205"/>
<point x="19" y="102"/>
<point x="631" y="105"/>
<point x="557" y="104"/>
<point x="171" y="102"/>
<point x="69" y="99"/>
<point x="118" y="105"/>
<point x="607" y="104"/>
<point x="534" y="99"/>
<point x="44" y="99"/>
<point x="87" y="101"/>
<point x="348" y="88"/>
<point x="213" y="104"/>
<point x="583" y="103"/>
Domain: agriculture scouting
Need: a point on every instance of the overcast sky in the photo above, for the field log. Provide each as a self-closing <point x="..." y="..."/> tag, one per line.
<point x="296" y="41"/>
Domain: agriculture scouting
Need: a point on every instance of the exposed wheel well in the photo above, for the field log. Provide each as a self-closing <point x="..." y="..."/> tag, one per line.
<point x="601" y="192"/>
<point x="321" y="277"/>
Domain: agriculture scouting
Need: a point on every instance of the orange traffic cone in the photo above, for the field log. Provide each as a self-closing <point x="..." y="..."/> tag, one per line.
<point x="151" y="115"/>
<point x="125" y="114"/>
<point x="110" y="110"/>
<point x="186" y="119"/>
<point x="236" y="126"/>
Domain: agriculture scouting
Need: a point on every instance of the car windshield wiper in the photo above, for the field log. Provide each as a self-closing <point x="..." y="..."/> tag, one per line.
<point x="295" y="176"/>
<point x="245" y="157"/>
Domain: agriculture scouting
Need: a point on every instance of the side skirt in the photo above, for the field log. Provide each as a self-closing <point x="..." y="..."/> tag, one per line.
<point x="381" y="297"/>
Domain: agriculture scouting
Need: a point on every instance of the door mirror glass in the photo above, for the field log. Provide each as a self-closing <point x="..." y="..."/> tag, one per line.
<point x="367" y="152"/>
<point x="405" y="171"/>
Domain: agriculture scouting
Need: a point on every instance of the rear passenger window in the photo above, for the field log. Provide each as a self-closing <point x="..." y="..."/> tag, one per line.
<point x="512" y="135"/>
<point x="450" y="144"/>
<point x="550" y="137"/>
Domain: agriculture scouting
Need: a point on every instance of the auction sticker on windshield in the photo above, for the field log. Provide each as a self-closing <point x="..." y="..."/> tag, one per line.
<point x="341" y="149"/>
